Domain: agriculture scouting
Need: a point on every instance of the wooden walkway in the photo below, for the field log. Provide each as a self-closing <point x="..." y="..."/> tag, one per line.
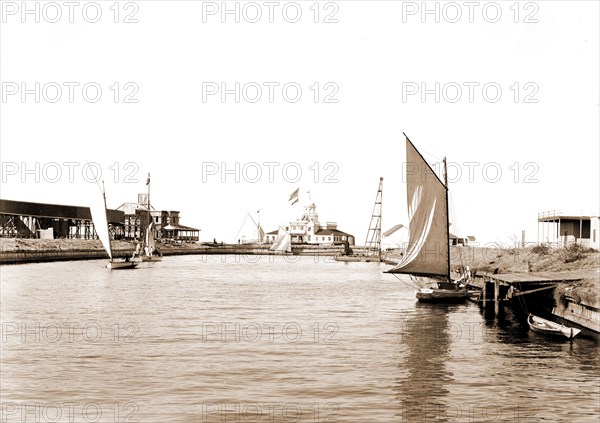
<point x="524" y="283"/>
<point x="542" y="277"/>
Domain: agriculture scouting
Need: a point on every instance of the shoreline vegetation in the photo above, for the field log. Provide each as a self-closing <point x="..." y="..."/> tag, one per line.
<point x="540" y="258"/>
<point x="23" y="250"/>
<point x="543" y="258"/>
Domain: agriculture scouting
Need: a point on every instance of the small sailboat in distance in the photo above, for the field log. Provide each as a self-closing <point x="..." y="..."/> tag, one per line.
<point x="283" y="243"/>
<point x="149" y="251"/>
<point x="100" y="218"/>
<point x="427" y="257"/>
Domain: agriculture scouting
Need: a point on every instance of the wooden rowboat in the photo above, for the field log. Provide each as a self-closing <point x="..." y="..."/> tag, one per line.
<point x="538" y="324"/>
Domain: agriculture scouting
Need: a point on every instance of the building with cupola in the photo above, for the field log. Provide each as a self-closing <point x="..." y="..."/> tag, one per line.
<point x="166" y="223"/>
<point x="308" y="230"/>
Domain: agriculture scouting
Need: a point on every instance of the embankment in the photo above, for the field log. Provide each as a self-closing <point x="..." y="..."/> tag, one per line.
<point x="15" y="250"/>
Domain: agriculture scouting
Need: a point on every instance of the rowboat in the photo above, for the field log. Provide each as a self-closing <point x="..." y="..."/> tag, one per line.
<point x="538" y="324"/>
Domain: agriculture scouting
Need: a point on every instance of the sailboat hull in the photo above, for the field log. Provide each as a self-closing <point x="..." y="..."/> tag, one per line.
<point x="151" y="258"/>
<point x="443" y="291"/>
<point x="438" y="295"/>
<point x="121" y="264"/>
<point x="363" y="259"/>
<point x="548" y="327"/>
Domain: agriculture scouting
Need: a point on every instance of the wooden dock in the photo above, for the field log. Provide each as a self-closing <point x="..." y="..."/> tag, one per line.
<point x="515" y="284"/>
<point x="541" y="277"/>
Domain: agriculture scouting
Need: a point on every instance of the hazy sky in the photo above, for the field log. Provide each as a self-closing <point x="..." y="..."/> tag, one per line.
<point x="231" y="117"/>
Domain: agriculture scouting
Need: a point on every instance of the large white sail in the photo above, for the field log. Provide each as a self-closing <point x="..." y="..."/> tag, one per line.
<point x="150" y="238"/>
<point x="427" y="251"/>
<point x="100" y="219"/>
<point x="283" y="242"/>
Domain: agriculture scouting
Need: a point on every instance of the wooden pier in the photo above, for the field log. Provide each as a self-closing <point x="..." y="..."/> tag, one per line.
<point x="516" y="284"/>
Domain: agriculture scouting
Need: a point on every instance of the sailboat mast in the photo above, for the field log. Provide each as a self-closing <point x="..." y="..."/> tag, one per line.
<point x="107" y="224"/>
<point x="146" y="239"/>
<point x="380" y="217"/>
<point x="148" y="200"/>
<point x="447" y="218"/>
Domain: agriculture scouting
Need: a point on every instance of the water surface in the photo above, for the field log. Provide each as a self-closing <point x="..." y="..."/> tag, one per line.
<point x="268" y="339"/>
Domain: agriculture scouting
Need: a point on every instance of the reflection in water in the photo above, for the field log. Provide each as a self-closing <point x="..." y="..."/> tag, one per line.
<point x="178" y="341"/>
<point x="426" y="339"/>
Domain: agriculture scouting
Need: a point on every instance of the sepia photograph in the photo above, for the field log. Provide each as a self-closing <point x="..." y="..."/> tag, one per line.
<point x="302" y="211"/>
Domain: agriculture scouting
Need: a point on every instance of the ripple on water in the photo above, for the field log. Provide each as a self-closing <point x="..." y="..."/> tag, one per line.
<point x="192" y="337"/>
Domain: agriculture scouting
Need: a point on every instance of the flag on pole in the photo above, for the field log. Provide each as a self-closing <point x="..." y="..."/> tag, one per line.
<point x="294" y="197"/>
<point x="148" y="180"/>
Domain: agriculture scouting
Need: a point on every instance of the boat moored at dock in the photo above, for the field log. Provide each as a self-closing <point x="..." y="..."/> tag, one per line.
<point x="538" y="324"/>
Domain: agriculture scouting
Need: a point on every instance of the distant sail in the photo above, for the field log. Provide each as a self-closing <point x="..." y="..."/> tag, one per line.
<point x="283" y="242"/>
<point x="427" y="251"/>
<point x="150" y="238"/>
<point x="99" y="217"/>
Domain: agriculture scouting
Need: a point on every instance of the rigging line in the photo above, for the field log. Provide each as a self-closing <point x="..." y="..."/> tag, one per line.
<point x="457" y="228"/>
<point x="452" y="212"/>
<point x="253" y="221"/>
<point x="405" y="282"/>
<point x="416" y="281"/>
<point x="522" y="302"/>
<point x="242" y="227"/>
<point x="98" y="180"/>
<point x="434" y="161"/>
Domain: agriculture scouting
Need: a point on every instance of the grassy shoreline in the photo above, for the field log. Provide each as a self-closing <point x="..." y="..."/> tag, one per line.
<point x="501" y="260"/>
<point x="479" y="259"/>
<point x="17" y="250"/>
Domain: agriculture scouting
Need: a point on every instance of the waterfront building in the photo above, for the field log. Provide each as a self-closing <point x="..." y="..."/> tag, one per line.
<point x="459" y="240"/>
<point x="397" y="238"/>
<point x="167" y="227"/>
<point x="308" y="230"/>
<point x="567" y="227"/>
<point x="23" y="219"/>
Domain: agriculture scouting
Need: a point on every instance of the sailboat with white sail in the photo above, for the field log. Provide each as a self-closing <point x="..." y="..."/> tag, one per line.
<point x="250" y="231"/>
<point x="427" y="257"/>
<point x="283" y="243"/>
<point x="149" y="250"/>
<point x="100" y="219"/>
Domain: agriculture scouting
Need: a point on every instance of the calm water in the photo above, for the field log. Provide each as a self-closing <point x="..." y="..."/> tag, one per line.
<point x="192" y="340"/>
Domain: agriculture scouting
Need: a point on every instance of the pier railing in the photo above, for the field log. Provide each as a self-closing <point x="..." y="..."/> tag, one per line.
<point x="558" y="213"/>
